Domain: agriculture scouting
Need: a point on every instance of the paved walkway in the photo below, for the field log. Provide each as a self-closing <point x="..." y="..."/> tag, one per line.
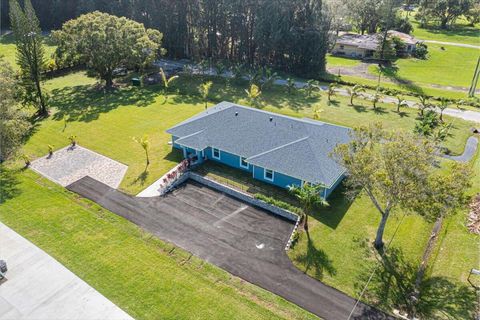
<point x="39" y="287"/>
<point x="465" y="115"/>
<point x="468" y="153"/>
<point x="243" y="240"/>
<point x="455" y="44"/>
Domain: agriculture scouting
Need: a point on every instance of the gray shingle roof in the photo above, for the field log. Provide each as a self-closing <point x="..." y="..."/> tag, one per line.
<point x="296" y="147"/>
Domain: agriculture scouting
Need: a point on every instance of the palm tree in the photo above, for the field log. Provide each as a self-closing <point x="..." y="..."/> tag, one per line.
<point x="308" y="195"/>
<point x="316" y="112"/>
<point x="423" y="104"/>
<point x="375" y="99"/>
<point x="312" y="85"/>
<point x="442" y="106"/>
<point x="253" y="93"/>
<point x="204" y="90"/>
<point x="73" y="140"/>
<point x="145" y="145"/>
<point x="291" y="87"/>
<point x="331" y="90"/>
<point x="166" y="82"/>
<point x="354" y="92"/>
<point x="269" y="78"/>
<point x="400" y="103"/>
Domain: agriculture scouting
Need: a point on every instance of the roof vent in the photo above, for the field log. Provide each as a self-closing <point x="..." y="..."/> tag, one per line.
<point x="271" y="119"/>
<point x="236" y="114"/>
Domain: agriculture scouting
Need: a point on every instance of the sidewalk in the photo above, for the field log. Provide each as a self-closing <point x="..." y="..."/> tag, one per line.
<point x="39" y="287"/>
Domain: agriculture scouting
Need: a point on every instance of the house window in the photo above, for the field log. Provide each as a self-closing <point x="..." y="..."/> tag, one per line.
<point x="216" y="153"/>
<point x="243" y="162"/>
<point x="342" y="47"/>
<point x="268" y="174"/>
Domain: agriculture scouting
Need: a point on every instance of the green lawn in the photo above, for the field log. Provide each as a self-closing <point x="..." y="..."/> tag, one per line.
<point x="8" y="49"/>
<point x="147" y="278"/>
<point x="334" y="61"/>
<point x="450" y="66"/>
<point x="338" y="250"/>
<point x="461" y="32"/>
<point x="106" y="123"/>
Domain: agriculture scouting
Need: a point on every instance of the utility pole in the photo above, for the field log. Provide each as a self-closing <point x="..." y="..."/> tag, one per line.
<point x="476" y="75"/>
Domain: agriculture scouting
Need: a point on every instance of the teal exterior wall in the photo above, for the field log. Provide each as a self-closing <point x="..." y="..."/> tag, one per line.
<point x="335" y="185"/>
<point x="232" y="160"/>
<point x="227" y="158"/>
<point x="279" y="179"/>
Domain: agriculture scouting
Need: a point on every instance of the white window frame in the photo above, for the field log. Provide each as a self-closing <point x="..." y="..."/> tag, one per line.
<point x="213" y="153"/>
<point x="242" y="159"/>
<point x="265" y="174"/>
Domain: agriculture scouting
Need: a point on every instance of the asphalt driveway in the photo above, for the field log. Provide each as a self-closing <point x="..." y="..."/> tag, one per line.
<point x="243" y="240"/>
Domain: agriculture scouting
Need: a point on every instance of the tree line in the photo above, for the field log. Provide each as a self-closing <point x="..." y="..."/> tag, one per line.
<point x="291" y="35"/>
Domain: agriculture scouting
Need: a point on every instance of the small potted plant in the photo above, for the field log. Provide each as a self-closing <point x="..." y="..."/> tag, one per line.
<point x="26" y="159"/>
<point x="50" y="150"/>
<point x="73" y="140"/>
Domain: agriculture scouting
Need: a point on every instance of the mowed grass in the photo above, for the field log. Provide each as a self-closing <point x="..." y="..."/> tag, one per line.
<point x="8" y="50"/>
<point x="146" y="277"/>
<point x="460" y="32"/>
<point x="107" y="121"/>
<point x="334" y="61"/>
<point x="450" y="66"/>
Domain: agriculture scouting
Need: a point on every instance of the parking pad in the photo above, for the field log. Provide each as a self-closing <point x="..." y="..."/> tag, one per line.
<point x="243" y="240"/>
<point x="70" y="164"/>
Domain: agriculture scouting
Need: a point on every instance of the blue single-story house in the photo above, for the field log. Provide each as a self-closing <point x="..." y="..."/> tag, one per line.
<point x="274" y="148"/>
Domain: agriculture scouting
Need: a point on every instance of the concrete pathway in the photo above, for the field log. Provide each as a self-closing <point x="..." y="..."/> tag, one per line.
<point x="468" y="153"/>
<point x="39" y="287"/>
<point x="455" y="44"/>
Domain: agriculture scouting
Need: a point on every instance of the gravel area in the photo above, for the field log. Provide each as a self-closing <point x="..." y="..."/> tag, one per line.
<point x="69" y="164"/>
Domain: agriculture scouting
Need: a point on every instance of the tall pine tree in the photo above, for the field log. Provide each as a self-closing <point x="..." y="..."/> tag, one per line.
<point x="30" y="52"/>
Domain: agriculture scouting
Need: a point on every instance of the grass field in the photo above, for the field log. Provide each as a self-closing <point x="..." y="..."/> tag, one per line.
<point x="450" y="66"/>
<point x="147" y="278"/>
<point x="8" y="49"/>
<point x="107" y="122"/>
<point x="460" y="32"/>
<point x="99" y="246"/>
<point x="338" y="250"/>
<point x="333" y="61"/>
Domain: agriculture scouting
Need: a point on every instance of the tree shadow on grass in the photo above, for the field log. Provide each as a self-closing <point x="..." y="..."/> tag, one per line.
<point x="85" y="103"/>
<point x="391" y="73"/>
<point x="8" y="184"/>
<point x="316" y="259"/>
<point x="339" y="204"/>
<point x="380" y="111"/>
<point x="393" y="283"/>
<point x="359" y="108"/>
<point x="141" y="178"/>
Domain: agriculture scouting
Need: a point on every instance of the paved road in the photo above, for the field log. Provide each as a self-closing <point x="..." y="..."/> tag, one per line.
<point x="179" y="65"/>
<point x="455" y="44"/>
<point x="39" y="287"/>
<point x="245" y="241"/>
<point x="468" y="153"/>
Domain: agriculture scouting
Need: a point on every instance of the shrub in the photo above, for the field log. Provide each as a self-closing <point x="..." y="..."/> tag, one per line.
<point x="421" y="51"/>
<point x="278" y="203"/>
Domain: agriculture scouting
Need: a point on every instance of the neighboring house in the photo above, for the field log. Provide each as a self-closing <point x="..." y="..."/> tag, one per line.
<point x="364" y="46"/>
<point x="274" y="148"/>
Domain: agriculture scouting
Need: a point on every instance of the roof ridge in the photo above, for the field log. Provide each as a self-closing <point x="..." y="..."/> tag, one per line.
<point x="190" y="135"/>
<point x="224" y="105"/>
<point x="276" y="148"/>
